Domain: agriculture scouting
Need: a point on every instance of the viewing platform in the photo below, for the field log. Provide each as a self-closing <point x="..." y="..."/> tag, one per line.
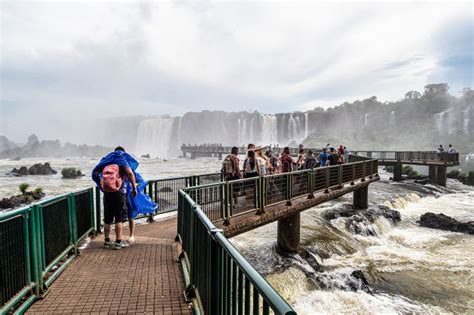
<point x="180" y="265"/>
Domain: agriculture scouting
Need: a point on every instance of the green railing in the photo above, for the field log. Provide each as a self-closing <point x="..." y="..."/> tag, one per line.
<point x="413" y="156"/>
<point x="221" y="279"/>
<point x="37" y="243"/>
<point x="224" y="200"/>
<point x="216" y="274"/>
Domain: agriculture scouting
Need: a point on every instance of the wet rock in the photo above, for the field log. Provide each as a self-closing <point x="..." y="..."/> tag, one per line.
<point x="361" y="221"/>
<point x="165" y="189"/>
<point x="19" y="200"/>
<point x="21" y="171"/>
<point x="146" y="156"/>
<point x="444" y="222"/>
<point x="423" y="181"/>
<point x="41" y="169"/>
<point x="357" y="281"/>
<point x="310" y="259"/>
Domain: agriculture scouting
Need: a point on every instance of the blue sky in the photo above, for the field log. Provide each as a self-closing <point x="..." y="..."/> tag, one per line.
<point x="67" y="62"/>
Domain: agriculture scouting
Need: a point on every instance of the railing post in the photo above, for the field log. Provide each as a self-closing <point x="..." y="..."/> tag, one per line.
<point x="289" y="188"/>
<point x="98" y="219"/>
<point x="363" y="171"/>
<point x="229" y="202"/>
<point x="353" y="171"/>
<point x="261" y="195"/>
<point x="71" y="200"/>
<point x="339" y="179"/>
<point x="327" y="179"/>
<point x="311" y="184"/>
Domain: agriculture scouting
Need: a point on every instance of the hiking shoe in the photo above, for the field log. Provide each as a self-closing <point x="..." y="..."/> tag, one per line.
<point x="121" y="245"/>
<point x="108" y="244"/>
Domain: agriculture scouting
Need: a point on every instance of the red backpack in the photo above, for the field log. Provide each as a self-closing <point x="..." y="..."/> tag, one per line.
<point x="111" y="179"/>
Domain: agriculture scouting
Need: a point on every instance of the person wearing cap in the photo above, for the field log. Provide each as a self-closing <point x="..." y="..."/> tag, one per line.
<point x="272" y="162"/>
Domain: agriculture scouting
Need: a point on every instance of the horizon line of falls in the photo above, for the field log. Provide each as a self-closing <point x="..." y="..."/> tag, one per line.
<point x="154" y="137"/>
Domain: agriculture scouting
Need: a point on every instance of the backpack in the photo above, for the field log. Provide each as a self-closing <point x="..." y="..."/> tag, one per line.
<point x="111" y="180"/>
<point x="310" y="162"/>
<point x="228" y="167"/>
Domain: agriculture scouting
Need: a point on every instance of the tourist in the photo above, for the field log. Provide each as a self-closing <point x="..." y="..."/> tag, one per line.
<point x="287" y="163"/>
<point x="310" y="161"/>
<point x="451" y="149"/>
<point x="323" y="158"/>
<point x="333" y="158"/>
<point x="250" y="146"/>
<point x="251" y="165"/>
<point x="113" y="177"/>
<point x="231" y="166"/>
<point x="272" y="162"/>
<point x="340" y="150"/>
<point x="262" y="160"/>
<point x="440" y="152"/>
<point x="301" y="159"/>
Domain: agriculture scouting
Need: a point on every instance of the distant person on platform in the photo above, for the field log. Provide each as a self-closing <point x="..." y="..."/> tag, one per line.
<point x="124" y="199"/>
<point x="231" y="166"/>
<point x="310" y="161"/>
<point x="333" y="157"/>
<point x="272" y="162"/>
<point x="451" y="149"/>
<point x="440" y="151"/>
<point x="323" y="158"/>
<point x="287" y="163"/>
<point x="301" y="159"/>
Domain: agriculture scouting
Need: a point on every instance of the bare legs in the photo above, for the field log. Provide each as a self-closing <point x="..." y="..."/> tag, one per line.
<point x="118" y="231"/>
<point x="131" y="226"/>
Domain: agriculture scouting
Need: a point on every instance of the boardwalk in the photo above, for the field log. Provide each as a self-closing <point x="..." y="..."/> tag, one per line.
<point x="145" y="278"/>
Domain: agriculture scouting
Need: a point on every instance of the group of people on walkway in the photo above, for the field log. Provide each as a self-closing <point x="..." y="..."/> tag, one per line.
<point x="442" y="153"/>
<point x="261" y="162"/>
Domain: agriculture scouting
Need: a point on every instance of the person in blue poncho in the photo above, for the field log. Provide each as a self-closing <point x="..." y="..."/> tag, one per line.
<point x="124" y="197"/>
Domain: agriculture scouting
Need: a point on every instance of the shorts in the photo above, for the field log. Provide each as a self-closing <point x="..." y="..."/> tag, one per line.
<point x="115" y="207"/>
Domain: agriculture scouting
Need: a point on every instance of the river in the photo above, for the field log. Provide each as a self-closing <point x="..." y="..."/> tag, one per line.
<point x="409" y="269"/>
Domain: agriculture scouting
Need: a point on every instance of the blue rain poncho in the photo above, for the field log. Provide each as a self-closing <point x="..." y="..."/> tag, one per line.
<point x="141" y="204"/>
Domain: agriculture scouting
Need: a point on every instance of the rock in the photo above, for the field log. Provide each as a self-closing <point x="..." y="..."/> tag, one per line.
<point x="7" y="203"/>
<point x="21" y="171"/>
<point x="41" y="169"/>
<point x="359" y="282"/>
<point x="443" y="222"/>
<point x="423" y="181"/>
<point x="146" y="156"/>
<point x="165" y="189"/>
<point x="361" y="222"/>
<point x="16" y="158"/>
<point x="310" y="259"/>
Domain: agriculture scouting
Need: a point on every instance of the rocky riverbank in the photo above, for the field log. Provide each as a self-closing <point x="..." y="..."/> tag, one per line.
<point x="36" y="169"/>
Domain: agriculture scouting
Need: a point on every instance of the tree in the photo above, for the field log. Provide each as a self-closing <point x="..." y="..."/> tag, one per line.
<point x="437" y="89"/>
<point x="412" y="95"/>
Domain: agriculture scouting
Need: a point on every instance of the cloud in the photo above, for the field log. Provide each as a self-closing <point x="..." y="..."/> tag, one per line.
<point x="127" y="58"/>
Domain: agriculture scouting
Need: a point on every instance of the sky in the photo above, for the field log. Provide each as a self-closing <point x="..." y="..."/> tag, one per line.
<point x="67" y="62"/>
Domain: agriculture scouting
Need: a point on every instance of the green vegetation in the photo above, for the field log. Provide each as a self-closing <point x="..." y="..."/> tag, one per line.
<point x="456" y="173"/>
<point x="23" y="187"/>
<point x="39" y="190"/>
<point x="408" y="170"/>
<point x="71" y="172"/>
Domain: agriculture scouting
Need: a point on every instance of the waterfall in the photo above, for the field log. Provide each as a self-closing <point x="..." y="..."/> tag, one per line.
<point x="269" y="129"/>
<point x="306" y="131"/>
<point x="292" y="130"/>
<point x="179" y="131"/>
<point x="445" y="121"/>
<point x="451" y="122"/>
<point x="367" y="119"/>
<point x="466" y="121"/>
<point x="392" y="119"/>
<point x="252" y="130"/>
<point x="154" y="137"/>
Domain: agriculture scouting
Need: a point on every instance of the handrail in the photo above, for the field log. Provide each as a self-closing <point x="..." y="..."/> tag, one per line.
<point x="223" y="281"/>
<point x="38" y="242"/>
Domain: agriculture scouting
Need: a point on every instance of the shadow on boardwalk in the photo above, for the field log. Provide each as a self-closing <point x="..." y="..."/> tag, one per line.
<point x="144" y="278"/>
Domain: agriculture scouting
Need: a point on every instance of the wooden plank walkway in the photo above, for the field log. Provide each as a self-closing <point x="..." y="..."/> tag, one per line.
<point x="144" y="278"/>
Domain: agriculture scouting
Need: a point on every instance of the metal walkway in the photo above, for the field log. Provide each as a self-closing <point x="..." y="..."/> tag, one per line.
<point x="144" y="278"/>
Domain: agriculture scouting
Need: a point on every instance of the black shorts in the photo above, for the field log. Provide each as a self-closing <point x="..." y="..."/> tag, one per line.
<point x="115" y="207"/>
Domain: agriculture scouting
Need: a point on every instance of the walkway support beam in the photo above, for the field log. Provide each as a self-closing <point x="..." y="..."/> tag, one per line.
<point x="397" y="172"/>
<point x="361" y="198"/>
<point x="433" y="174"/>
<point x="441" y="176"/>
<point x="289" y="233"/>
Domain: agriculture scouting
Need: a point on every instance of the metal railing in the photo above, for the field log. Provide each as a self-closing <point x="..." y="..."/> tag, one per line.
<point x="418" y="156"/>
<point x="220" y="278"/>
<point x="224" y="200"/>
<point x="37" y="243"/>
